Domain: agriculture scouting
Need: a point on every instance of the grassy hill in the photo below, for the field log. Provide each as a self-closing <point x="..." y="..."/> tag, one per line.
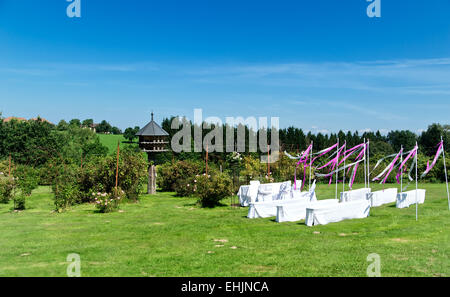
<point x="110" y="141"/>
<point x="163" y="235"/>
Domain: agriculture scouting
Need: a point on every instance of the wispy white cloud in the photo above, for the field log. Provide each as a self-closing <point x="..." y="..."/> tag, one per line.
<point x="422" y="76"/>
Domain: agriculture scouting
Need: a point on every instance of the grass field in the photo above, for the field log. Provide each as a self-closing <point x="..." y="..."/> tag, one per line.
<point x="110" y="141"/>
<point x="168" y="236"/>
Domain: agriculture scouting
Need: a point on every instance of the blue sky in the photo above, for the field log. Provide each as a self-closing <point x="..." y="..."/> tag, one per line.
<point x="321" y="65"/>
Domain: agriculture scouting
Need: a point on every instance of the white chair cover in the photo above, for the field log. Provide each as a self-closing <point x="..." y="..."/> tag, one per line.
<point x="311" y="194"/>
<point x="379" y="198"/>
<point x="265" y="193"/>
<point x="297" y="211"/>
<point x="262" y="210"/>
<point x="268" y="192"/>
<point x="299" y="186"/>
<point x="408" y="198"/>
<point x="269" y="208"/>
<point x="323" y="215"/>
<point x="248" y="194"/>
<point x="360" y="194"/>
<point x="285" y="191"/>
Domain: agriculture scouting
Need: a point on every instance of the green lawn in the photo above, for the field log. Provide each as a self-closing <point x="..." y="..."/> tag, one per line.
<point x="168" y="236"/>
<point x="110" y="141"/>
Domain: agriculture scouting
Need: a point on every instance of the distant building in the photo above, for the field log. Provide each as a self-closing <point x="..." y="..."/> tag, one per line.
<point x="9" y="119"/>
<point x="92" y="127"/>
<point x="41" y="119"/>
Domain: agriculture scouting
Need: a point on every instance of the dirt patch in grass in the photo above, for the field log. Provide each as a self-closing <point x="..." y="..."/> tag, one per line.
<point x="401" y="240"/>
<point x="221" y="240"/>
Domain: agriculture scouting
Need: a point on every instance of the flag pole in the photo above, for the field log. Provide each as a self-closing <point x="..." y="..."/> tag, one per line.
<point x="117" y="164"/>
<point x="401" y="175"/>
<point x="417" y="185"/>
<point x="365" y="165"/>
<point x="445" y="169"/>
<point x="310" y="164"/>
<point x="268" y="164"/>
<point x="368" y="163"/>
<point x="337" y="172"/>
<point x="206" y="159"/>
<point x="343" y="180"/>
<point x="9" y="170"/>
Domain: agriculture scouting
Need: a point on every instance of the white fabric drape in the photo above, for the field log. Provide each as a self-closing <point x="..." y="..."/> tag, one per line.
<point x="248" y="194"/>
<point x="360" y="194"/>
<point x="265" y="209"/>
<point x="322" y="215"/>
<point x="407" y="199"/>
<point x="294" y="212"/>
<point x="268" y="192"/>
<point x="285" y="191"/>
<point x="379" y="198"/>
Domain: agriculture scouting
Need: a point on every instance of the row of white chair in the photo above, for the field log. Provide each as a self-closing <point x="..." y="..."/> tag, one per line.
<point x="256" y="192"/>
<point x="352" y="205"/>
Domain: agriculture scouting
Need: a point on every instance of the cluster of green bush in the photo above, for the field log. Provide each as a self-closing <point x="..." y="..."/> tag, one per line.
<point x="18" y="186"/>
<point x="76" y="184"/>
<point x="73" y="184"/>
<point x="189" y="179"/>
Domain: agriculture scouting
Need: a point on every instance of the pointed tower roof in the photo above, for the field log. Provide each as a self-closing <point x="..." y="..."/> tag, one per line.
<point x="152" y="129"/>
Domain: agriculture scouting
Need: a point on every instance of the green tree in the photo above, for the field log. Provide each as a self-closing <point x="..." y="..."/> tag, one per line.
<point x="88" y="123"/>
<point x="116" y="131"/>
<point x="429" y="139"/>
<point x="75" y="122"/>
<point x="62" y="125"/>
<point x="104" y="127"/>
<point x="130" y="133"/>
<point x="398" y="138"/>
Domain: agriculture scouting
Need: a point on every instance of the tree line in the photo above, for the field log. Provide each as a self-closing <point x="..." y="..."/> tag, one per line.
<point x="102" y="127"/>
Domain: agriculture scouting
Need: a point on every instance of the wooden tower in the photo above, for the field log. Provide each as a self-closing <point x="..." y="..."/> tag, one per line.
<point x="153" y="140"/>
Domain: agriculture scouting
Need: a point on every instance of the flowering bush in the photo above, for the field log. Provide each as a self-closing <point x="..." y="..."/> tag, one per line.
<point x="171" y="175"/>
<point x="27" y="179"/>
<point x="211" y="189"/>
<point x="7" y="188"/>
<point x="66" y="194"/>
<point x="19" y="202"/>
<point x="65" y="187"/>
<point x="132" y="174"/>
<point x="185" y="187"/>
<point x="107" y="202"/>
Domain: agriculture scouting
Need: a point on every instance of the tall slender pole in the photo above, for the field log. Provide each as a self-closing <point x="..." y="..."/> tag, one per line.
<point x="365" y="165"/>
<point x="401" y="173"/>
<point x="206" y="159"/>
<point x="343" y="180"/>
<point x="337" y="172"/>
<point x="9" y="172"/>
<point x="117" y="166"/>
<point x="446" y="176"/>
<point x="368" y="163"/>
<point x="417" y="185"/>
<point x="310" y="164"/>
<point x="268" y="162"/>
